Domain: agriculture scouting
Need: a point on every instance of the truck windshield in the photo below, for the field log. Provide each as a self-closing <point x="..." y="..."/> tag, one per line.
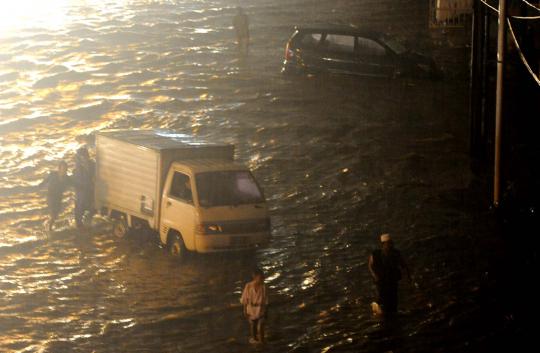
<point x="227" y="188"/>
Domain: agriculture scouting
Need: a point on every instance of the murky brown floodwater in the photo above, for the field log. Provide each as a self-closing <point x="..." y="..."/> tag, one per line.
<point x="340" y="160"/>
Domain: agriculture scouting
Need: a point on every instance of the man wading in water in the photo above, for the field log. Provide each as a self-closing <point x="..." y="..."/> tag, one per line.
<point x="241" y="27"/>
<point x="57" y="182"/>
<point x="255" y="301"/>
<point x="385" y="266"/>
<point x="83" y="180"/>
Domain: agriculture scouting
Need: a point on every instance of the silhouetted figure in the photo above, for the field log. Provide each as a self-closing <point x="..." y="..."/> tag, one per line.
<point x="241" y="27"/>
<point x="83" y="181"/>
<point x="255" y="302"/>
<point x="57" y="183"/>
<point x="385" y="266"/>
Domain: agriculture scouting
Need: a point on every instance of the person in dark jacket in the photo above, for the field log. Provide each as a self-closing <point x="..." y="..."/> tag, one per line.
<point x="83" y="181"/>
<point x="385" y="266"/>
<point x="57" y="182"/>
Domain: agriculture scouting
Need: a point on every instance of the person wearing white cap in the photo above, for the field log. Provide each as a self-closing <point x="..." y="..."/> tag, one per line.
<point x="385" y="266"/>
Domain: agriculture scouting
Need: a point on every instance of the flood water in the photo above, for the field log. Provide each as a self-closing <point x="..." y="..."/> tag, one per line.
<point x="340" y="160"/>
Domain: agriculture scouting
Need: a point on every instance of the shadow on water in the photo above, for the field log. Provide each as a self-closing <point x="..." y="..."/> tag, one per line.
<point x="388" y="336"/>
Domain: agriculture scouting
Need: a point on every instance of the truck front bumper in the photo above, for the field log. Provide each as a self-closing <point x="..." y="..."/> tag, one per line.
<point x="226" y="242"/>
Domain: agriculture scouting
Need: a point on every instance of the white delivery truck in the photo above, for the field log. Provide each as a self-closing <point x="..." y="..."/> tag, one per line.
<point x="191" y="192"/>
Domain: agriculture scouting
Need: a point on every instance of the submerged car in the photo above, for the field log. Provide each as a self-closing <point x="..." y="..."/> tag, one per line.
<point x="355" y="52"/>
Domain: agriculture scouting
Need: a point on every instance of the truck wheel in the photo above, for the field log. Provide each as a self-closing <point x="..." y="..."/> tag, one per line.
<point x="120" y="228"/>
<point x="176" y="246"/>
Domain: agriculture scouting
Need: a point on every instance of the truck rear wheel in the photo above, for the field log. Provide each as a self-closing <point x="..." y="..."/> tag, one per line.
<point x="120" y="228"/>
<point x="176" y="246"/>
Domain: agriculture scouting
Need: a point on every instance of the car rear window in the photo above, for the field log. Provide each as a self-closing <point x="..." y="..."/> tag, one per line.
<point x="370" y="47"/>
<point x="311" y="39"/>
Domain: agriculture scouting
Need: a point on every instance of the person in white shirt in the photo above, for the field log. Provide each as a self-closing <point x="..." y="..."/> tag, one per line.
<point x="255" y="302"/>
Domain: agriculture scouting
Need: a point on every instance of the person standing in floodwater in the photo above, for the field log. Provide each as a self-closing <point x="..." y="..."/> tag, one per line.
<point x="255" y="302"/>
<point x="241" y="27"/>
<point x="83" y="181"/>
<point x="57" y="183"/>
<point x="385" y="266"/>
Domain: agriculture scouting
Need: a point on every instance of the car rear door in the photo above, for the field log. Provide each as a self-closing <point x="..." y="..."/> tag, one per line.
<point x="307" y="50"/>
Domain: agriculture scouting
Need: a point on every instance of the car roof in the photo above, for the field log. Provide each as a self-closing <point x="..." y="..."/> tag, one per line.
<point x="346" y="30"/>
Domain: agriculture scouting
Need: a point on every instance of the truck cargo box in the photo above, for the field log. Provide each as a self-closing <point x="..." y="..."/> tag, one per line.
<point x="131" y="167"/>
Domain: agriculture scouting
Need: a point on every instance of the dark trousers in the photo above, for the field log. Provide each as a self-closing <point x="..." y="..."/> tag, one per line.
<point x="54" y="206"/>
<point x="388" y="296"/>
<point x="243" y="45"/>
<point x="83" y="203"/>
<point x="256" y="328"/>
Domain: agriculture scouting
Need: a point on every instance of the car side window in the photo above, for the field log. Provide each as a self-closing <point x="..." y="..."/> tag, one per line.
<point x="181" y="188"/>
<point x="338" y="43"/>
<point x="369" y="47"/>
<point x="311" y="40"/>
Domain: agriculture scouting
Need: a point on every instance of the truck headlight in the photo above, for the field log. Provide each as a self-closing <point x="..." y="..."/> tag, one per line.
<point x="214" y="228"/>
<point x="208" y="229"/>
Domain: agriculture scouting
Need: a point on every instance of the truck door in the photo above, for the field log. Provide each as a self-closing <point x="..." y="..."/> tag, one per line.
<point x="178" y="209"/>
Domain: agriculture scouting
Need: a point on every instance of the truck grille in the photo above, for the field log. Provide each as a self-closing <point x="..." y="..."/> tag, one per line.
<point x="243" y="227"/>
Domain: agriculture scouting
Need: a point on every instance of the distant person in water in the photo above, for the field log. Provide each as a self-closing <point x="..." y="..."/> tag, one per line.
<point x="255" y="302"/>
<point x="57" y="182"/>
<point x="241" y="27"/>
<point x="386" y="265"/>
<point x="83" y="181"/>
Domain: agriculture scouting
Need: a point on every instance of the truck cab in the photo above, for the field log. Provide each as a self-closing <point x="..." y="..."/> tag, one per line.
<point x="214" y="206"/>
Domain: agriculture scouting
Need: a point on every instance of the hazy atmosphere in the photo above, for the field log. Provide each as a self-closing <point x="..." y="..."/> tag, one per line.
<point x="341" y="159"/>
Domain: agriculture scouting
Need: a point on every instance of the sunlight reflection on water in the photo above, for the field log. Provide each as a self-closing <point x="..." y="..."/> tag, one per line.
<point x="329" y="155"/>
